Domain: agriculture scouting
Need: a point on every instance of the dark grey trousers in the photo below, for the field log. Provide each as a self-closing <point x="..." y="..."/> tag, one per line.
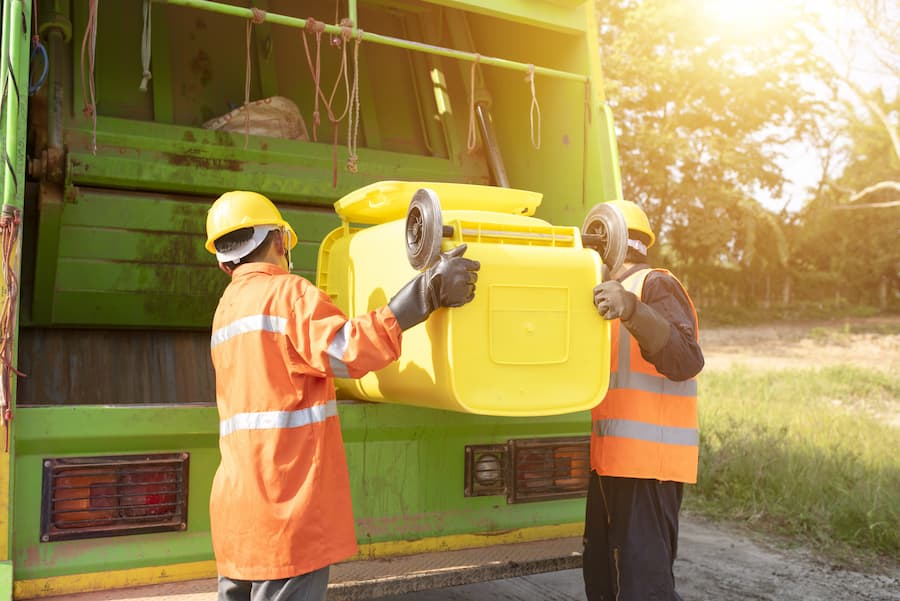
<point x="305" y="587"/>
<point x="631" y="539"/>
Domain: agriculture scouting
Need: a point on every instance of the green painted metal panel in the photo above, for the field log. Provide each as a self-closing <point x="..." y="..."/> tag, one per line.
<point x="406" y="468"/>
<point x="117" y="76"/>
<point x="6" y="579"/>
<point x="407" y="471"/>
<point x="129" y="259"/>
<point x="82" y="431"/>
<point x="197" y="161"/>
<point x="48" y="229"/>
<point x="161" y="61"/>
<point x="562" y="15"/>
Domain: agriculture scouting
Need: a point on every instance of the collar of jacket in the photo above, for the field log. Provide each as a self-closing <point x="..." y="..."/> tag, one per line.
<point x="257" y="267"/>
<point x="633" y="269"/>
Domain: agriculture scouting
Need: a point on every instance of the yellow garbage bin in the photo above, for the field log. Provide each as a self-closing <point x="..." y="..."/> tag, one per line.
<point x="530" y="343"/>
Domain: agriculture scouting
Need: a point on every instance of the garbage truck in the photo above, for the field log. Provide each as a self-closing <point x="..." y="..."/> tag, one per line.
<point x="123" y="120"/>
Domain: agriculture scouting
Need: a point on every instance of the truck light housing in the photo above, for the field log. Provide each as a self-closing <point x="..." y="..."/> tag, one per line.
<point x="536" y="469"/>
<point x="89" y="497"/>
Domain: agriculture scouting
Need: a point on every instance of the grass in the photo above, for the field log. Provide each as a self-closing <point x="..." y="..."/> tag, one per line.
<point x="804" y="453"/>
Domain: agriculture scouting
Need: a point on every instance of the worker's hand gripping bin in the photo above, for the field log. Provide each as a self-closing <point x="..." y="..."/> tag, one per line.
<point x="530" y="343"/>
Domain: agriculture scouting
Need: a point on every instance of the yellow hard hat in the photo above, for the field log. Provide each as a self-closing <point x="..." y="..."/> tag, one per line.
<point x="239" y="209"/>
<point x="635" y="218"/>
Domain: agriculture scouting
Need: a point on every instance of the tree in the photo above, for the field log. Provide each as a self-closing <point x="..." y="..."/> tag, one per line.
<point x="856" y="242"/>
<point x="701" y="119"/>
<point x="873" y="25"/>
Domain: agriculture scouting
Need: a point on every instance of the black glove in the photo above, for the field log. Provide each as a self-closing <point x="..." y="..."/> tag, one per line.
<point x="448" y="283"/>
<point x="613" y="301"/>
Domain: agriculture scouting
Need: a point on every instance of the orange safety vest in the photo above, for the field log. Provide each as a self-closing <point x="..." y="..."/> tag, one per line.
<point x="280" y="503"/>
<point x="646" y="426"/>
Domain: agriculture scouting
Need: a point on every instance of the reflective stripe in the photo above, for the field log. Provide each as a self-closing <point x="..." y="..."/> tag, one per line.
<point x="649" y="383"/>
<point x="626" y="428"/>
<point x="265" y="420"/>
<point x="252" y="323"/>
<point x="336" y="351"/>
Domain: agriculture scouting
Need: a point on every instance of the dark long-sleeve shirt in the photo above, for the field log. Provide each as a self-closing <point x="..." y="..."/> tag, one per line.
<point x="681" y="358"/>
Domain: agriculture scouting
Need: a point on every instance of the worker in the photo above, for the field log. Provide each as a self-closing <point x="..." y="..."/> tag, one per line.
<point x="280" y="508"/>
<point x="644" y="438"/>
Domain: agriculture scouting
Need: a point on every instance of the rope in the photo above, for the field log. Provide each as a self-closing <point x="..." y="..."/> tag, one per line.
<point x="9" y="233"/>
<point x="535" y="107"/>
<point x="472" y="139"/>
<point x="145" y="47"/>
<point x="89" y="44"/>
<point x="346" y="26"/>
<point x="346" y="35"/>
<point x="317" y="28"/>
<point x="353" y="119"/>
<point x="259" y="17"/>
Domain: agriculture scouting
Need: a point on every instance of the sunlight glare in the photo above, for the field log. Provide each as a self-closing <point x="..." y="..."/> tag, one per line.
<point x="746" y="15"/>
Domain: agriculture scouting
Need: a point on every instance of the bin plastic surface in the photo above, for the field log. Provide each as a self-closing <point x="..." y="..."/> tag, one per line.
<point x="530" y="343"/>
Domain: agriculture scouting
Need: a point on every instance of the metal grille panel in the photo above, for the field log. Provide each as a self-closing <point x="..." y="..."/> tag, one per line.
<point x="89" y="497"/>
<point x="545" y="469"/>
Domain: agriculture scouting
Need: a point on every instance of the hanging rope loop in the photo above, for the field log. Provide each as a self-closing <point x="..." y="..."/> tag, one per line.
<point x="535" y="108"/>
<point x="353" y="117"/>
<point x="472" y="138"/>
<point x="146" y="38"/>
<point x="89" y="94"/>
<point x="315" y="69"/>
<point x="258" y="18"/>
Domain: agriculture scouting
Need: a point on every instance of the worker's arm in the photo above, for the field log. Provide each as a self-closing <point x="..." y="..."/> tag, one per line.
<point x="681" y="357"/>
<point x="661" y="322"/>
<point x="323" y="341"/>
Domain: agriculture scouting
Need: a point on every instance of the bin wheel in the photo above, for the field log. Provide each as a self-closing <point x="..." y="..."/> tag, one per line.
<point x="424" y="229"/>
<point x="605" y="226"/>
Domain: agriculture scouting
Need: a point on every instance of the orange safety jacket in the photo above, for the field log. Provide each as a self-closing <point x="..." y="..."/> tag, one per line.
<point x="280" y="503"/>
<point x="646" y="426"/>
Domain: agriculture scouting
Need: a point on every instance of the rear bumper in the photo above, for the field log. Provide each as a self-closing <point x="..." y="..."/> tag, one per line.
<point x="367" y="579"/>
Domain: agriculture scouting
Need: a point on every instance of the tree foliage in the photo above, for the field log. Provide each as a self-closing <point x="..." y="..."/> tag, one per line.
<point x="703" y="116"/>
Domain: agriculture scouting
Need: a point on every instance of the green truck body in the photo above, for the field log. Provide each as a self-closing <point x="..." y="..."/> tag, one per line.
<point x="112" y="292"/>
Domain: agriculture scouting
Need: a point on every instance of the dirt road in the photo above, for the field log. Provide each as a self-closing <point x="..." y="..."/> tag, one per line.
<point x="863" y="342"/>
<point x="722" y="563"/>
<point x="716" y="563"/>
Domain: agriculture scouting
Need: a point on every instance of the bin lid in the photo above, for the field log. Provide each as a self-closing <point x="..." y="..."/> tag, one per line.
<point x="387" y="201"/>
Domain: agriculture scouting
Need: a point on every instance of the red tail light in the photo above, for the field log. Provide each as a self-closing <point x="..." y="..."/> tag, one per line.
<point x="107" y="496"/>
